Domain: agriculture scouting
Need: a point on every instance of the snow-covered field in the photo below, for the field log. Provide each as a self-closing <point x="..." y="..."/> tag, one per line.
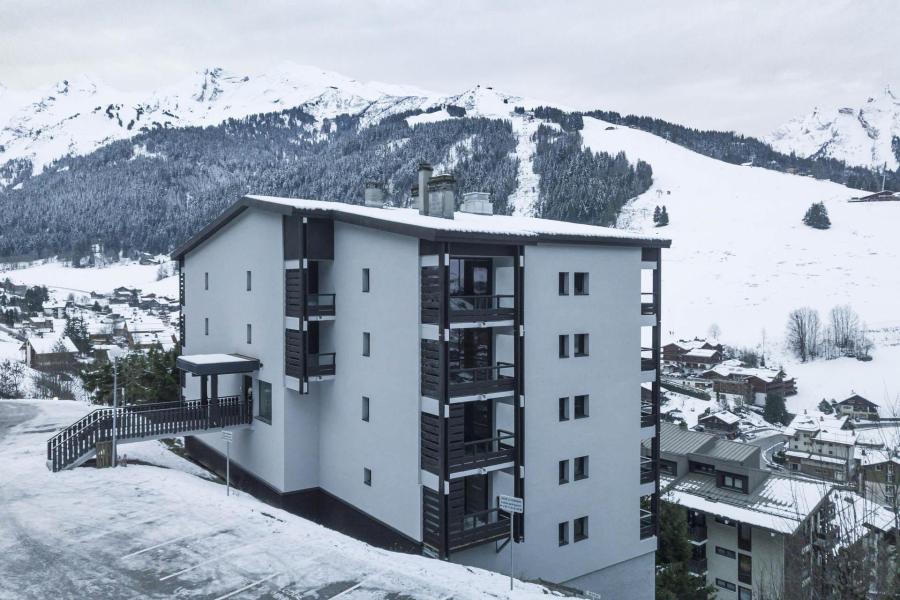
<point x="64" y="279"/>
<point x="154" y="532"/>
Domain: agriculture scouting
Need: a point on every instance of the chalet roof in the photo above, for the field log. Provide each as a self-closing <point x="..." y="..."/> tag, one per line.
<point x="857" y="399"/>
<point x="814" y="423"/>
<point x="701" y="353"/>
<point x="47" y="345"/>
<point x="725" y="416"/>
<point x="408" y="221"/>
<point x="731" y="368"/>
<point x="816" y="457"/>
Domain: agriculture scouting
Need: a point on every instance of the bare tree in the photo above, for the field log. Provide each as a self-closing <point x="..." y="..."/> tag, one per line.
<point x="804" y="332"/>
<point x="844" y="327"/>
<point x="714" y="332"/>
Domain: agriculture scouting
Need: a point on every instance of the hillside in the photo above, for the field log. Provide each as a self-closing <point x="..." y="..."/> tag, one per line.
<point x="741" y="257"/>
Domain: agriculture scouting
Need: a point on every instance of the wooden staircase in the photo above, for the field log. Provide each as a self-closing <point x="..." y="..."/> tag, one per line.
<point x="77" y="443"/>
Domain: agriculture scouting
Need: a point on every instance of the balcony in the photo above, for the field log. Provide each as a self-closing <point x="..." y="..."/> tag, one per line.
<point x="697" y="534"/>
<point x="478" y="528"/>
<point x="482" y="381"/>
<point x="648" y="470"/>
<point x="320" y="307"/>
<point x="647" y="524"/>
<point x="482" y="454"/>
<point x="482" y="308"/>
<point x="697" y="566"/>
<point x="648" y="304"/>
<point x="649" y="359"/>
<point x="648" y="414"/>
<point x="321" y="366"/>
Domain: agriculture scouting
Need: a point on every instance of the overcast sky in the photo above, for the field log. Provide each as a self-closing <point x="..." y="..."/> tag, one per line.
<point x="739" y="65"/>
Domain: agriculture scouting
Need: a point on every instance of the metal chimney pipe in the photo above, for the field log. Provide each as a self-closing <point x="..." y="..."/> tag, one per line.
<point x="424" y="175"/>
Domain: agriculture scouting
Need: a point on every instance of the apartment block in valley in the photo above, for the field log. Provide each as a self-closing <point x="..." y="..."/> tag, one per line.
<point x="822" y="446"/>
<point x="407" y="366"/>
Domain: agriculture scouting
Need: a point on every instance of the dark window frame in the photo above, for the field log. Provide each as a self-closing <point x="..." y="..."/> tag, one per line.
<point x="206" y="280"/>
<point x="564" y="409"/>
<point x="264" y="401"/>
<point x="564" y="346"/>
<point x="582" y="340"/>
<point x="249" y="333"/>
<point x="701" y="467"/>
<point x="584" y="471"/>
<point x="582" y="287"/>
<point x="366" y="280"/>
<point x="563" y="472"/>
<point x="669" y="467"/>
<point x="726" y="552"/>
<point x="367" y="344"/>
<point x="563" y="533"/>
<point x="367" y="476"/>
<point x="563" y="283"/>
<point x="727" y="585"/>
<point x="205" y="325"/>
<point x="745" y="593"/>
<point x="745" y="569"/>
<point x="366" y="409"/>
<point x="582" y="524"/>
<point x="745" y="537"/>
<point x="742" y="480"/>
<point x="585" y="412"/>
<point x="249" y="281"/>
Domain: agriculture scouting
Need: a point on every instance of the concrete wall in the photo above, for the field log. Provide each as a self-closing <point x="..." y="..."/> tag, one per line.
<point x="610" y="436"/>
<point x="389" y="443"/>
<point x="253" y="241"/>
<point x="766" y="552"/>
<point x="633" y="579"/>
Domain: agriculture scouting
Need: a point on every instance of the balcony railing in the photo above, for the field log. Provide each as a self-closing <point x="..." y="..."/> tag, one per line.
<point x="482" y="380"/>
<point x="648" y="305"/>
<point x="697" y="533"/>
<point x="648" y="523"/>
<point x="478" y="528"/>
<point x="320" y="305"/>
<point x="648" y="414"/>
<point x="483" y="453"/>
<point x="648" y="470"/>
<point x="498" y="307"/>
<point x="697" y="566"/>
<point x="321" y="364"/>
<point x="649" y="359"/>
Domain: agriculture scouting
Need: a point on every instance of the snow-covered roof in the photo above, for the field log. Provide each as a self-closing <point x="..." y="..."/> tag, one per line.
<point x="701" y="353"/>
<point x="729" y="418"/>
<point x="145" y="325"/>
<point x="844" y="437"/>
<point x="869" y="456"/>
<point x="732" y="367"/>
<point x="816" y="457"/>
<point x="48" y="345"/>
<point x="812" y="422"/>
<point x="409" y="221"/>
<point x="779" y="504"/>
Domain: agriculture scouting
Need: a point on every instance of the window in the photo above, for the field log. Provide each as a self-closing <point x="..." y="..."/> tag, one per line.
<point x="581" y="468"/>
<point x="581" y="406"/>
<point x="249" y="281"/>
<point x="265" y="401"/>
<point x="365" y="409"/>
<point x="206" y="281"/>
<point x="699" y="467"/>
<point x="563" y="472"/>
<point x="745" y="594"/>
<point x="581" y="529"/>
<point x="249" y="333"/>
<point x="745" y="568"/>
<point x="563" y="533"/>
<point x="733" y="482"/>
<point x="365" y="281"/>
<point x="725" y="552"/>
<point x="668" y="467"/>
<point x="563" y="284"/>
<point x="367" y="476"/>
<point x="366" y="343"/>
<point x="581" y="284"/>
<point x="581" y="344"/>
<point x="725" y="584"/>
<point x="564" y="346"/>
<point x="564" y="409"/>
<point x="206" y="326"/>
<point x="744" y="536"/>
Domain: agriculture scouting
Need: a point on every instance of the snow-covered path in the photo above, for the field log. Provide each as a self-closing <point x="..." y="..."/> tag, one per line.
<point x="524" y="198"/>
<point x="151" y="532"/>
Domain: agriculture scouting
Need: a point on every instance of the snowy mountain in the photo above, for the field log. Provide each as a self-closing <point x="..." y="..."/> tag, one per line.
<point x="77" y="116"/>
<point x="867" y="135"/>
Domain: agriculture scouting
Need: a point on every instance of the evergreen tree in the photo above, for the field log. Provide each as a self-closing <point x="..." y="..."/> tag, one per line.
<point x="663" y="217"/>
<point x="817" y="216"/>
<point x="77" y="331"/>
<point x="656" y="212"/>
<point x="775" y="410"/>
<point x="826" y="407"/>
<point x="674" y="581"/>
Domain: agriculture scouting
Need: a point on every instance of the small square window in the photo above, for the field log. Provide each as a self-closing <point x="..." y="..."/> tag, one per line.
<point x="581" y="344"/>
<point x="581" y="529"/>
<point x="206" y="326"/>
<point x="564" y="346"/>
<point x="563" y="533"/>
<point x="745" y="594"/>
<point x="367" y="476"/>
<point x="581" y="468"/>
<point x="249" y="333"/>
<point x="367" y="338"/>
<point x="563" y="472"/>
<point x="249" y="281"/>
<point x="582" y="406"/>
<point x="365" y="280"/>
<point x="563" y="284"/>
<point x="365" y="408"/>
<point x="564" y="409"/>
<point x="206" y="281"/>
<point x="581" y="284"/>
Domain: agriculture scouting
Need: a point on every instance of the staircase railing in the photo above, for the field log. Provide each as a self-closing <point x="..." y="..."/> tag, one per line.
<point x="143" y="421"/>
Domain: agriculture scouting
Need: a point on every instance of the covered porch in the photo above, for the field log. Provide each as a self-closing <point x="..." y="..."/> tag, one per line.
<point x="209" y="367"/>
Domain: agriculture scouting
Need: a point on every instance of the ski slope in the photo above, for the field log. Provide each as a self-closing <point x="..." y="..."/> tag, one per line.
<point x="741" y="257"/>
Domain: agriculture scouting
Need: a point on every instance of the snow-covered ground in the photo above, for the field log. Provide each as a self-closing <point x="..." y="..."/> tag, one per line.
<point x="65" y="279"/>
<point x="154" y="532"/>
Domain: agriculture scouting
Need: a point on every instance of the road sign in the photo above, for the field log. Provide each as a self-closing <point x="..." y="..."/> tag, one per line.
<point x="227" y="435"/>
<point x="511" y="504"/>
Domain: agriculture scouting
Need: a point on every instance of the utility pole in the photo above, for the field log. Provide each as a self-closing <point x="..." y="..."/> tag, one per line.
<point x="115" y="406"/>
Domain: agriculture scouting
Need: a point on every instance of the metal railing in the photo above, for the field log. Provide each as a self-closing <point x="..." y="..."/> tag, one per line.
<point x="649" y="359"/>
<point x="321" y="364"/>
<point x="478" y="527"/>
<point x="482" y="380"/>
<point x="143" y="421"/>
<point x="697" y="566"/>
<point x="648" y="303"/>
<point x="483" y="453"/>
<point x="697" y="533"/>
<point x="648" y="469"/>
<point x="482" y="307"/>
<point x="320" y="305"/>
<point x="647" y="523"/>
<point x="648" y="414"/>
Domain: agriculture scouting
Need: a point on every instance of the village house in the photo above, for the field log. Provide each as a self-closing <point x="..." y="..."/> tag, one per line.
<point x="49" y="353"/>
<point x="55" y="309"/>
<point x="879" y="475"/>
<point x="692" y="354"/>
<point x="39" y="325"/>
<point x="723" y="421"/>
<point x="857" y="407"/>
<point x="822" y="446"/>
<point x="748" y="386"/>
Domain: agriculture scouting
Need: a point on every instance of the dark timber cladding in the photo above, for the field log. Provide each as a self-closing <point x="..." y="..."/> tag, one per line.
<point x="295" y="298"/>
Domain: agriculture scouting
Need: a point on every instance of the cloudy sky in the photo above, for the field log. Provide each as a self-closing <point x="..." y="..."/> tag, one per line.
<point x="740" y="65"/>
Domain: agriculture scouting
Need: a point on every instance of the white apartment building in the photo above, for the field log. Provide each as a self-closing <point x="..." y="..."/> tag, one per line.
<point x="822" y="446"/>
<point x="406" y="366"/>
